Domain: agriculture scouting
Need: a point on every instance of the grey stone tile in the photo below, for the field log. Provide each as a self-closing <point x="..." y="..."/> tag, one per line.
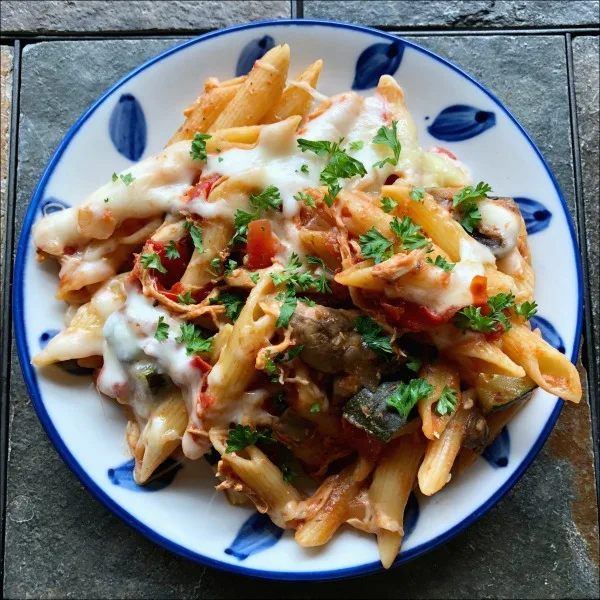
<point x="50" y="16"/>
<point x="587" y="90"/>
<point x="538" y="542"/>
<point x="461" y="15"/>
<point x="6" y="75"/>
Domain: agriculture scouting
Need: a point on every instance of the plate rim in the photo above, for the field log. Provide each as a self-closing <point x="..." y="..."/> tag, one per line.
<point x="30" y="376"/>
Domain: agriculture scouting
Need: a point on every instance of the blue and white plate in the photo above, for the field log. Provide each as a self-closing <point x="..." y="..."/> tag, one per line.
<point x="133" y="120"/>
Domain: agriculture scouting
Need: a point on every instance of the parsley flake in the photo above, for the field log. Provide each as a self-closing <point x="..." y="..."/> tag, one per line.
<point x="162" y="330"/>
<point x="417" y="194"/>
<point x="373" y="336"/>
<point x="357" y="145"/>
<point x="306" y="198"/>
<point x="152" y="261"/>
<point x="470" y="216"/>
<point x="315" y="408"/>
<point x="193" y="340"/>
<point x="198" y="148"/>
<point x="388" y="136"/>
<point x="215" y="265"/>
<point x="233" y="304"/>
<point x="440" y="262"/>
<point x="196" y="235"/>
<point x="287" y="309"/>
<point x="254" y="277"/>
<point x="114" y="177"/>
<point x="413" y="363"/>
<point x="408" y="233"/>
<point x="387" y="204"/>
<point x="186" y="298"/>
<point x="526" y="310"/>
<point x="471" y="193"/>
<point x="304" y="168"/>
<point x="447" y="401"/>
<point x="127" y="179"/>
<point x="374" y="245"/>
<point x="407" y="395"/>
<point x="230" y="267"/>
<point x="171" y="251"/>
<point x="242" y="436"/>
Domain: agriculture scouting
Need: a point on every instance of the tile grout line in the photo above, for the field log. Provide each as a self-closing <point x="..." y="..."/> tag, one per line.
<point x="5" y="342"/>
<point x="441" y="30"/>
<point x="589" y="347"/>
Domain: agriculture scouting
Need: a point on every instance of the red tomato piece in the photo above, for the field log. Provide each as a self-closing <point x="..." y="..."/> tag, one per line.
<point x="479" y="290"/>
<point x="200" y="363"/>
<point x="175" y="266"/>
<point x="416" y="317"/>
<point x="203" y="188"/>
<point x="261" y="245"/>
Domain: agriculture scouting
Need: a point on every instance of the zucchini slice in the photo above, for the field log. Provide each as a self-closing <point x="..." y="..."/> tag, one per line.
<point x="497" y="392"/>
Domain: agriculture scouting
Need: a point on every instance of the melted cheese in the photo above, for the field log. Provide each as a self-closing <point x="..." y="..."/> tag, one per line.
<point x="500" y="221"/>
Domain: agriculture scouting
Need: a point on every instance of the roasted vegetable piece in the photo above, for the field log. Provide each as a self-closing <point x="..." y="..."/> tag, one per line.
<point x="369" y="411"/>
<point x="498" y="392"/>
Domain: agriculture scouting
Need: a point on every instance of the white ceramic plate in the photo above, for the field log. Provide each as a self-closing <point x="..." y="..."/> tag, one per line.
<point x="134" y="119"/>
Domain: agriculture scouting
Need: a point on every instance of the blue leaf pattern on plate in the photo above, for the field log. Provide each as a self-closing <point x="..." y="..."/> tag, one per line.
<point x="411" y="515"/>
<point x="256" y="534"/>
<point x="375" y="61"/>
<point x="68" y="366"/>
<point x="497" y="452"/>
<point x="251" y="52"/>
<point x="549" y="333"/>
<point x="461" y="122"/>
<point x="536" y="216"/>
<point x="52" y="205"/>
<point x="163" y="477"/>
<point x="127" y="127"/>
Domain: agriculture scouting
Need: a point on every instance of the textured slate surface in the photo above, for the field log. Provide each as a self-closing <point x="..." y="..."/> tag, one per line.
<point x="6" y="65"/>
<point x="462" y="15"/>
<point x="586" y="59"/>
<point x="540" y="541"/>
<point x="106" y="16"/>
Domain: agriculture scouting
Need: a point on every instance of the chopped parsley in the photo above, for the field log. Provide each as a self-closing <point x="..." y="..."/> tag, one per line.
<point x="417" y="194"/>
<point x="220" y="159"/>
<point x="198" y="149"/>
<point x="471" y="193"/>
<point x="373" y="335"/>
<point x="388" y="136"/>
<point x="374" y="245"/>
<point x="447" y="401"/>
<point x="407" y="395"/>
<point x="471" y="317"/>
<point x="387" y="204"/>
<point x="242" y="436"/>
<point x="526" y="310"/>
<point x="162" y="330"/>
<point x="315" y="260"/>
<point x="152" y="261"/>
<point x="287" y="308"/>
<point x="233" y="304"/>
<point x="195" y="234"/>
<point x="171" y="251"/>
<point x="271" y="369"/>
<point x="306" y="198"/>
<point x="127" y="179"/>
<point x="254" y="277"/>
<point x="186" y="298"/>
<point x="413" y="363"/>
<point x="230" y="267"/>
<point x="470" y="216"/>
<point x="286" y="473"/>
<point x="357" y="145"/>
<point x="440" y="262"/>
<point x="319" y="148"/>
<point x="193" y="340"/>
<point x="215" y="265"/>
<point x="408" y="233"/>
<point x="269" y="198"/>
<point x="304" y="168"/>
<point x="315" y="408"/>
<point x="307" y="301"/>
<point x="114" y="177"/>
<point x="279" y="403"/>
<point x="105" y="199"/>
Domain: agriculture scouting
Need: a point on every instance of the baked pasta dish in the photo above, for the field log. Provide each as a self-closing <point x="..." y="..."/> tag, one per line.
<point x="295" y="290"/>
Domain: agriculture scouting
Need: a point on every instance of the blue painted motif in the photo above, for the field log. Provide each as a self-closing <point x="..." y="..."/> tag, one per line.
<point x="549" y="333"/>
<point x="536" y="216"/>
<point x="497" y="452"/>
<point x="461" y="122"/>
<point x="164" y="476"/>
<point x="127" y="127"/>
<point x="52" y="205"/>
<point x="256" y="534"/>
<point x="47" y="336"/>
<point x="251" y="52"/>
<point x="411" y="515"/>
<point x="375" y="61"/>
